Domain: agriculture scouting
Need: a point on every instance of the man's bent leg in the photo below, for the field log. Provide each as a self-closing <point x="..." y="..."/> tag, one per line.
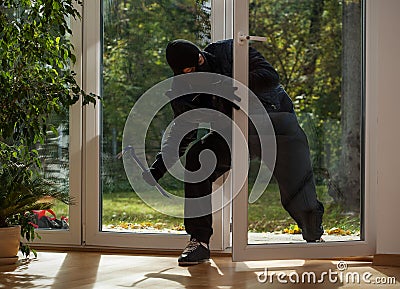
<point x="198" y="209"/>
<point x="198" y="217"/>
<point x="293" y="171"/>
<point x="307" y="211"/>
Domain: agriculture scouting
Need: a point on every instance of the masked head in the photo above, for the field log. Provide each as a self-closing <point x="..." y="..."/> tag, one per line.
<point x="182" y="54"/>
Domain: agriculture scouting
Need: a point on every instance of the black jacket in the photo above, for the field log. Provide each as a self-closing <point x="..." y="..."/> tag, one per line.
<point x="263" y="81"/>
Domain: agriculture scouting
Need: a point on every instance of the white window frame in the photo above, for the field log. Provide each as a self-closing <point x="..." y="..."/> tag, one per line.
<point x="92" y="235"/>
<point x="72" y="236"/>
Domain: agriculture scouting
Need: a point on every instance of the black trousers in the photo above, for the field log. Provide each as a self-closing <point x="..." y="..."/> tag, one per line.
<point x="293" y="172"/>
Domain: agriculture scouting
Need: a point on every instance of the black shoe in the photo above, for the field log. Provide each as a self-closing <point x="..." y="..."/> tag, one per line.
<point x="194" y="253"/>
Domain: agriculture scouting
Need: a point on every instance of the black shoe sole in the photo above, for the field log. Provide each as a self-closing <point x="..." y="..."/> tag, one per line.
<point x="191" y="263"/>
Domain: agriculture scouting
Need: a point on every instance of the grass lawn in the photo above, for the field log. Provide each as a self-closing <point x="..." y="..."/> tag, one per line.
<point x="265" y="215"/>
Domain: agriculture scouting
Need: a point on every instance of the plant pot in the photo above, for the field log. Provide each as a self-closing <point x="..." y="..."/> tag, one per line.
<point x="9" y="244"/>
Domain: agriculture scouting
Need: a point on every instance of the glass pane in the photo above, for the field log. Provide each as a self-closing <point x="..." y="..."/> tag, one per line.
<point x="315" y="46"/>
<point x="134" y="39"/>
<point x="54" y="155"/>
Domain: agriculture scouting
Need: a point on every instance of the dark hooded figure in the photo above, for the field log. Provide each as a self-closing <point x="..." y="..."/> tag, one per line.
<point x="293" y="170"/>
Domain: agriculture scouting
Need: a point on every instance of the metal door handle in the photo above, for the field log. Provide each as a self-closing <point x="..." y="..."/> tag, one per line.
<point x="242" y="37"/>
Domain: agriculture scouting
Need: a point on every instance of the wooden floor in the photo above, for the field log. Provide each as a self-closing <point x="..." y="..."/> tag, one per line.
<point x="59" y="270"/>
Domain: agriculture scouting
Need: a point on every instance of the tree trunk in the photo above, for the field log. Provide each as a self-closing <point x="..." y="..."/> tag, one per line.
<point x="317" y="8"/>
<point x="309" y="70"/>
<point x="346" y="186"/>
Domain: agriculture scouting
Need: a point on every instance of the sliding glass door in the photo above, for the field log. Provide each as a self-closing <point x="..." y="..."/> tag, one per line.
<point x="317" y="49"/>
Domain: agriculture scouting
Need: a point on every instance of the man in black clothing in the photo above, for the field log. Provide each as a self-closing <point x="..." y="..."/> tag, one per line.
<point x="293" y="170"/>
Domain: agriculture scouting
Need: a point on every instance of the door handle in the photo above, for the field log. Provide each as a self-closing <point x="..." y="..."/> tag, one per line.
<point x="242" y="38"/>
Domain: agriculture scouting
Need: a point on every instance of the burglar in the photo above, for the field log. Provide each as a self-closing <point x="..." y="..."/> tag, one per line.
<point x="293" y="170"/>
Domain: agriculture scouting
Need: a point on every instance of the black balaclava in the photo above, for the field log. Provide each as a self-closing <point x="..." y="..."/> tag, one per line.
<point x="207" y="66"/>
<point x="181" y="54"/>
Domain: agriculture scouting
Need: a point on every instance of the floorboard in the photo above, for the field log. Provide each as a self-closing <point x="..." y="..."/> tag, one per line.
<point x="87" y="270"/>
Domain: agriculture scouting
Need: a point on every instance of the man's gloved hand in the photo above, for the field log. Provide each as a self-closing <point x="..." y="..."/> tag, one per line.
<point x="148" y="177"/>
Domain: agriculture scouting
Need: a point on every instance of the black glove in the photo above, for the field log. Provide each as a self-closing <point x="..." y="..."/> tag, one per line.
<point x="148" y="178"/>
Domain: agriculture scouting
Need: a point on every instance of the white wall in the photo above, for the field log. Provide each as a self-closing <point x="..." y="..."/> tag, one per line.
<point x="383" y="86"/>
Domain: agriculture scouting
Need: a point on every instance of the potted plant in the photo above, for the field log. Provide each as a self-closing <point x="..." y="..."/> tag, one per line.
<point x="23" y="189"/>
<point x="36" y="82"/>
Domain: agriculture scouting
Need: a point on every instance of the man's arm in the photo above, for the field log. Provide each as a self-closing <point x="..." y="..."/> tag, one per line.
<point x="173" y="147"/>
<point x="262" y="76"/>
